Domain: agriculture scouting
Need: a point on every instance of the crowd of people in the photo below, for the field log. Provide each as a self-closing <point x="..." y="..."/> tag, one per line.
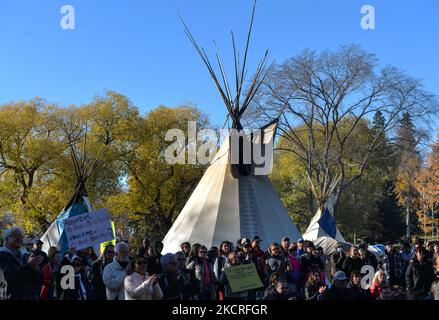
<point x="288" y="270"/>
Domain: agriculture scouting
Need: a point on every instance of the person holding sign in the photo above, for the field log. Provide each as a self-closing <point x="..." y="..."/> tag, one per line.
<point x="232" y="262"/>
<point x="139" y="285"/>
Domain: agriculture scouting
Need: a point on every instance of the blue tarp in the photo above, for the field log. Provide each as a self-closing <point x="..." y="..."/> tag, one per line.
<point x="327" y="223"/>
<point x="74" y="210"/>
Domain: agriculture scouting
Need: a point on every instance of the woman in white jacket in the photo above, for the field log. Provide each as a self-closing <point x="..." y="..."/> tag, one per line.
<point x="139" y="285"/>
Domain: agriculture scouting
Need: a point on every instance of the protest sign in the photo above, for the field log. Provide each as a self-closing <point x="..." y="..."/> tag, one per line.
<point x="89" y="229"/>
<point x="243" y="277"/>
<point x="106" y="243"/>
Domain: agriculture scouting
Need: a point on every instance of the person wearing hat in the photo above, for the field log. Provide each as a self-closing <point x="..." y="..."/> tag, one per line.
<point x="338" y="289"/>
<point x="246" y="255"/>
<point x="392" y="264"/>
<point x="300" y="248"/>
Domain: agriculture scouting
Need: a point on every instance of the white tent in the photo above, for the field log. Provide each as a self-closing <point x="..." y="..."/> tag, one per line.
<point x="232" y="199"/>
<point x="323" y="231"/>
<point x="223" y="207"/>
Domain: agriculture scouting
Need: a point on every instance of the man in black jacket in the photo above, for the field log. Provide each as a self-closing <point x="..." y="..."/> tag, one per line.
<point x="337" y="260"/>
<point x="22" y="280"/>
<point x="338" y="290"/>
<point x="419" y="275"/>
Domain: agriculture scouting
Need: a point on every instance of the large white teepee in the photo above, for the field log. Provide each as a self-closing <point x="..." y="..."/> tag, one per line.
<point x="223" y="207"/>
<point x="323" y="231"/>
<point x="231" y="201"/>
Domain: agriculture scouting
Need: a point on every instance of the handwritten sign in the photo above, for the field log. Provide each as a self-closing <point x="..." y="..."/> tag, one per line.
<point x="243" y="277"/>
<point x="89" y="229"/>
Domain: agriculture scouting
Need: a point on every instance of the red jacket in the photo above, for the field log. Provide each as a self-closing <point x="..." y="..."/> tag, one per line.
<point x="47" y="281"/>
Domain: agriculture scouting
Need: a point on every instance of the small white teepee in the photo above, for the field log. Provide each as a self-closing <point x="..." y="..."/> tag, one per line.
<point x="79" y="203"/>
<point x="323" y="231"/>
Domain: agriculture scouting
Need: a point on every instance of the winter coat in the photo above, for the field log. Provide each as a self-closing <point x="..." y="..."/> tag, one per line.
<point x="50" y="279"/>
<point x="337" y="260"/>
<point x="393" y="266"/>
<point x="312" y="291"/>
<point x="22" y="281"/>
<point x="334" y="294"/>
<point x="295" y="273"/>
<point x="375" y="290"/>
<point x="370" y="259"/>
<point x="181" y="287"/>
<point x="138" y="287"/>
<point x="113" y="277"/>
<point x="351" y="264"/>
<point x="97" y="281"/>
<point x="197" y="266"/>
<point x="78" y="292"/>
<point x="274" y="295"/>
<point x="358" y="293"/>
<point x="419" y="277"/>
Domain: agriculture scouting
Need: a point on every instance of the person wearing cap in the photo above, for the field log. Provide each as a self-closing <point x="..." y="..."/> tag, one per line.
<point x="246" y="255"/>
<point x="259" y="256"/>
<point x="338" y="289"/>
<point x="37" y="250"/>
<point x="337" y="260"/>
<point x="300" y="247"/>
<point x="392" y="264"/>
<point x="285" y="245"/>
<point x="22" y="279"/>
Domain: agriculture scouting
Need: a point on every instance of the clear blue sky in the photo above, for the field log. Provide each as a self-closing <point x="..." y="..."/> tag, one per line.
<point x="138" y="47"/>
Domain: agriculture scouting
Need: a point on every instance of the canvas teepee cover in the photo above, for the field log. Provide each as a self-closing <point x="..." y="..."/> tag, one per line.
<point x="223" y="207"/>
<point x="324" y="233"/>
<point x="55" y="235"/>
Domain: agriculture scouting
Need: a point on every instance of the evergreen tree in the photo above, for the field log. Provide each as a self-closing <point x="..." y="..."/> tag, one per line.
<point x="409" y="166"/>
<point x="392" y="214"/>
